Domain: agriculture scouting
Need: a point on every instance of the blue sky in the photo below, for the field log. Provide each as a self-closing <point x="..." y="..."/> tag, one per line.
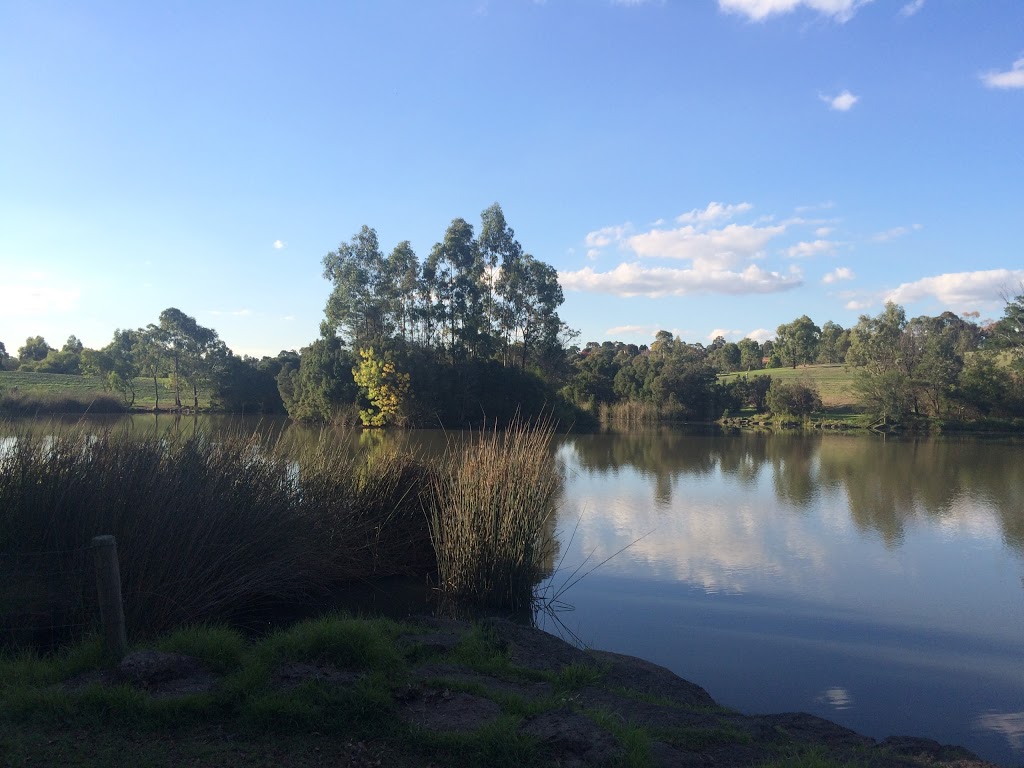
<point x="701" y="166"/>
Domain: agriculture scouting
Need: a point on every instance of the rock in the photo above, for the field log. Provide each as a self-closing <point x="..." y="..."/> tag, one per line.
<point x="449" y="711"/>
<point x="572" y="739"/>
<point x="165" y="674"/>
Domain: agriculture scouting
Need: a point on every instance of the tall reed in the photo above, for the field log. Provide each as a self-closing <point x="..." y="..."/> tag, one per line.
<point x="210" y="528"/>
<point x="488" y="512"/>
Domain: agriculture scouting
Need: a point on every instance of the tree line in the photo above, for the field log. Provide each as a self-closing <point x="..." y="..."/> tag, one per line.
<point x="472" y="332"/>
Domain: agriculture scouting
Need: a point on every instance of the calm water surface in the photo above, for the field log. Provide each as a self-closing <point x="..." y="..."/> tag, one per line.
<point x="875" y="582"/>
<point x="878" y="583"/>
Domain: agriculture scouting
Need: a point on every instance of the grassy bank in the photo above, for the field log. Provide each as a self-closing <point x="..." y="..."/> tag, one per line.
<point x="834" y="382"/>
<point x="236" y="527"/>
<point x="373" y="692"/>
<point x="31" y="393"/>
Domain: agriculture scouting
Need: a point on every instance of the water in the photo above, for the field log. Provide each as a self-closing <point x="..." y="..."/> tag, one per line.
<point x="875" y="582"/>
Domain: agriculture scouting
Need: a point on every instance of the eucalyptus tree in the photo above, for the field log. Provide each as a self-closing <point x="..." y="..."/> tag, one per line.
<point x="833" y="342"/>
<point x="191" y="348"/>
<point x="501" y="254"/>
<point x="455" y="269"/>
<point x="403" y="278"/>
<point x="797" y="342"/>
<point x="358" y="307"/>
<point x="750" y="354"/>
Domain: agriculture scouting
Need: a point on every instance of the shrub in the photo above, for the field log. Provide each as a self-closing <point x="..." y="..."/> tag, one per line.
<point x="794" y="398"/>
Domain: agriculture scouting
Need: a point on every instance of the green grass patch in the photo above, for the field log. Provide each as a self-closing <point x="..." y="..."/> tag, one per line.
<point x="834" y="382"/>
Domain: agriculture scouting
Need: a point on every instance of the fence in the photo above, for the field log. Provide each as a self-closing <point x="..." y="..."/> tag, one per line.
<point x="50" y="599"/>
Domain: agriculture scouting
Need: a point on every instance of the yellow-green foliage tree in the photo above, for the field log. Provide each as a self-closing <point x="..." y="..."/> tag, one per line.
<point x="383" y="385"/>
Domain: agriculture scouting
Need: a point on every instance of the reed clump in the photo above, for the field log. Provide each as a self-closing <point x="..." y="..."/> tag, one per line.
<point x="491" y="501"/>
<point x="208" y="529"/>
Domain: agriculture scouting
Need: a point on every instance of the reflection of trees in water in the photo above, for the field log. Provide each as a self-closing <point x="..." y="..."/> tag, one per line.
<point x="887" y="482"/>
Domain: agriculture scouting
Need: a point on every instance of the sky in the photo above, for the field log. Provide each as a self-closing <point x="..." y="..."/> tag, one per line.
<point x="707" y="167"/>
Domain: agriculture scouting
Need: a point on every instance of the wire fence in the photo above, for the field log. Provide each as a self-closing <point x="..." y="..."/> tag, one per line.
<point x="47" y="599"/>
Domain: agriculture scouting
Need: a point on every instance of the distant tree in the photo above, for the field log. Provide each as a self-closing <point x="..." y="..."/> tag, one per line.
<point x="191" y="349"/>
<point x="750" y="355"/>
<point x="35" y="349"/>
<point x="833" y="342"/>
<point x="322" y="381"/>
<point x="1008" y="332"/>
<point x="797" y="342"/>
<point x="4" y="356"/>
<point x="73" y="345"/>
<point x="116" y="363"/>
<point x="150" y="355"/>
<point x="243" y="384"/>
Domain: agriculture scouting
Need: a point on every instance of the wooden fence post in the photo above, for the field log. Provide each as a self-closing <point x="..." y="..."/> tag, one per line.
<point x="108" y="585"/>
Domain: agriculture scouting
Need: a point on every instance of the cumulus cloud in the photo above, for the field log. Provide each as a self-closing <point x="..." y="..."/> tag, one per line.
<point x="837" y="274"/>
<point x="895" y="232"/>
<point x="760" y="335"/>
<point x="814" y="248"/>
<point x="842" y="103"/>
<point x="653" y="282"/>
<point x="856" y="305"/>
<point x="715" y="249"/>
<point x="632" y="330"/>
<point x="759" y="10"/>
<point x="911" y="8"/>
<point x="823" y="231"/>
<point x="279" y="244"/>
<point x="725" y="333"/>
<point x="1011" y="78"/>
<point x="959" y="288"/>
<point x="714" y="212"/>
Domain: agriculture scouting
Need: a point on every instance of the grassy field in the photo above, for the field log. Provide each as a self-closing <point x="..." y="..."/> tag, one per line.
<point x="85" y="388"/>
<point x="833" y="382"/>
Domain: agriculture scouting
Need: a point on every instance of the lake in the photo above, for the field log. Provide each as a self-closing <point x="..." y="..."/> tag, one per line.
<point x="872" y="581"/>
<point x="876" y="582"/>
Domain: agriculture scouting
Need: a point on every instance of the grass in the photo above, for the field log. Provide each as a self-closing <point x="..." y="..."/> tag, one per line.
<point x="833" y="381"/>
<point x="28" y="392"/>
<point x="491" y="501"/>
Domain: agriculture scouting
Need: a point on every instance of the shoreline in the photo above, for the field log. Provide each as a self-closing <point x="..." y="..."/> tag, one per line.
<point x="426" y="691"/>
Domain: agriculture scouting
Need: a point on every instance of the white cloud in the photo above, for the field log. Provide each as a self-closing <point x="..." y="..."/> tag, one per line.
<point x="823" y="231"/>
<point x="632" y="330"/>
<point x="231" y="312"/>
<point x="758" y="10"/>
<point x="279" y="244"/>
<point x="35" y="297"/>
<point x="856" y="305"/>
<point x="911" y="8"/>
<point x="653" y="282"/>
<point x="601" y="238"/>
<point x="1012" y="78"/>
<point x="895" y="232"/>
<point x="715" y="249"/>
<point x="816" y="206"/>
<point x="714" y="212"/>
<point x="760" y="335"/>
<point x="288" y="318"/>
<point x="725" y="333"/>
<point x="958" y="288"/>
<point x="807" y="249"/>
<point x="842" y="103"/>
<point x="839" y="273"/>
